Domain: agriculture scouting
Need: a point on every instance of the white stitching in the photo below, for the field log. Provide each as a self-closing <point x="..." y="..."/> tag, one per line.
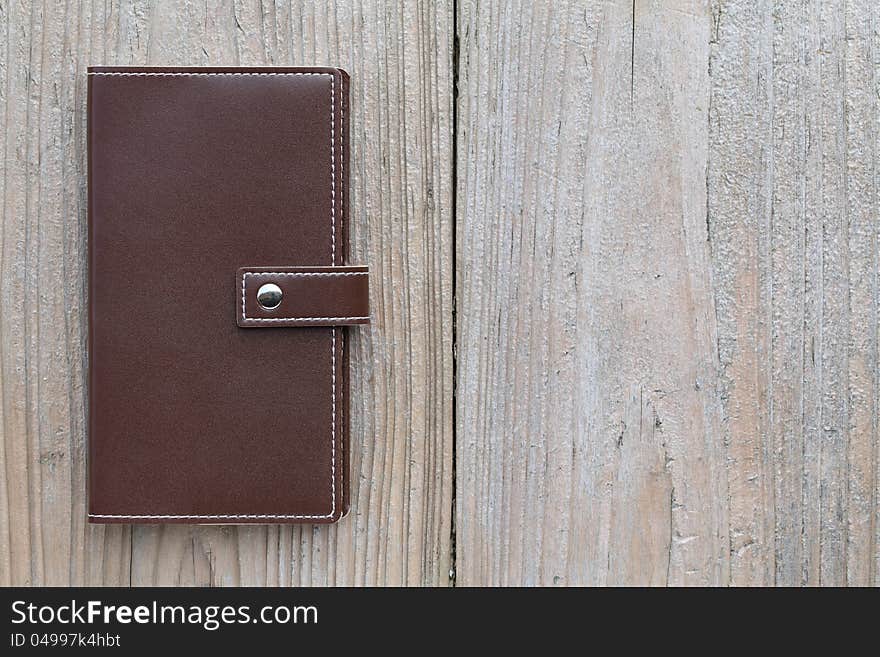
<point x="242" y="515"/>
<point x="306" y="273"/>
<point x="193" y="74"/>
<point x="341" y="156"/>
<point x="243" y="281"/>
<point x="333" y="170"/>
<point x="304" y="319"/>
<point x="333" y="262"/>
<point x="342" y="220"/>
<point x="333" y="420"/>
<point x="333" y="331"/>
<point x="244" y="276"/>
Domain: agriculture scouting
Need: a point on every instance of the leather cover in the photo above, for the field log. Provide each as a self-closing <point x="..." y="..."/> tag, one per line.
<point x="197" y="177"/>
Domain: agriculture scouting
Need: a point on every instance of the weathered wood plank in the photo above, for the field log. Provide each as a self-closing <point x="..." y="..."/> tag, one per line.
<point x="793" y="214"/>
<point x="756" y="351"/>
<point x="740" y="192"/>
<point x="862" y="208"/>
<point x="584" y="298"/>
<point x="399" y="56"/>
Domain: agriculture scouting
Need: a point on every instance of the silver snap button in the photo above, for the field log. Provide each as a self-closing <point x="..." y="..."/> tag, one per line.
<point x="269" y="296"/>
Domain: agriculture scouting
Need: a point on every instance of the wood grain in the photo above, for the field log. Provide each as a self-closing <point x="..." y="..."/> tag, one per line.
<point x="400" y="58"/>
<point x="793" y="212"/>
<point x="667" y="293"/>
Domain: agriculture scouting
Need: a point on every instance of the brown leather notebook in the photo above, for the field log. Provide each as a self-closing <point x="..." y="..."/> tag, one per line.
<point x="219" y="295"/>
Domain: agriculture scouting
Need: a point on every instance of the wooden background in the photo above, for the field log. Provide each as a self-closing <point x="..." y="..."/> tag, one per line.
<point x="626" y="294"/>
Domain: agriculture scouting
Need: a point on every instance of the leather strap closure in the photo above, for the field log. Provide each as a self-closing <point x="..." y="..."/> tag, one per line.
<point x="305" y="296"/>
